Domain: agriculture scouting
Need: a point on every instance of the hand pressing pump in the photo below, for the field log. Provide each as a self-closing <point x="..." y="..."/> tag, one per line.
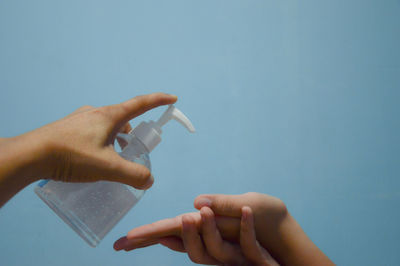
<point x="93" y="209"/>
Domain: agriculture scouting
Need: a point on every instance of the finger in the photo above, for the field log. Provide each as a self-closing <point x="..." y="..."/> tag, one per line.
<point x="115" y="168"/>
<point x="162" y="228"/>
<point x="125" y="129"/>
<point x="248" y="242"/>
<point x="127" y="110"/>
<point x="219" y="249"/>
<point x="228" y="227"/>
<point x="130" y="244"/>
<point x="142" y="245"/>
<point x="231" y="205"/>
<point x="225" y="205"/>
<point x="120" y="243"/>
<point x="193" y="243"/>
<point x="166" y="228"/>
<point x="124" y="243"/>
<point x="173" y="242"/>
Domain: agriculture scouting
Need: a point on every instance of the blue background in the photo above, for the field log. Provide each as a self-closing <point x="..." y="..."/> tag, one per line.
<point x="297" y="99"/>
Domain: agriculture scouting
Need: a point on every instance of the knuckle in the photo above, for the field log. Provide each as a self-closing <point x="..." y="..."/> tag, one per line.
<point x="187" y="219"/>
<point x="125" y="107"/>
<point x="113" y="166"/>
<point x="85" y="107"/>
<point x="226" y="205"/>
<point x="104" y="113"/>
<point x="138" y="102"/>
<point x="280" y="206"/>
<point x="82" y="109"/>
<point x="253" y="194"/>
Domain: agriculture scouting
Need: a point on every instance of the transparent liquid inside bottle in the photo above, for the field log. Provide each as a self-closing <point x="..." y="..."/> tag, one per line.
<point x="93" y="209"/>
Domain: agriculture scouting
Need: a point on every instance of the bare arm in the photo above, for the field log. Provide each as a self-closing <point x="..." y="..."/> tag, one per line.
<point x="19" y="164"/>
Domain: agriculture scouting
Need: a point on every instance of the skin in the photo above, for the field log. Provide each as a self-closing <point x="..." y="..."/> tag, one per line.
<point x="248" y="229"/>
<point x="77" y="148"/>
<point x="201" y="239"/>
<point x="275" y="230"/>
<point x="206" y="246"/>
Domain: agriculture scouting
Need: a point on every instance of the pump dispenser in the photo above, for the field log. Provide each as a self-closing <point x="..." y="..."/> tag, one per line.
<point x="93" y="209"/>
<point x="149" y="133"/>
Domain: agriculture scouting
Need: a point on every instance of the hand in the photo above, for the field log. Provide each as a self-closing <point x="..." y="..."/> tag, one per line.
<point x="81" y="146"/>
<point x="268" y="211"/>
<point x="77" y="148"/>
<point x="275" y="228"/>
<point x="202" y="240"/>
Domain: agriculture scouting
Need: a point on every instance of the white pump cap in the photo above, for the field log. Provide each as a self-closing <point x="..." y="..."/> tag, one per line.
<point x="149" y="133"/>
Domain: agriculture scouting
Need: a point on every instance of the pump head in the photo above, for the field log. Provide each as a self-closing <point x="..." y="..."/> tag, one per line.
<point x="149" y="133"/>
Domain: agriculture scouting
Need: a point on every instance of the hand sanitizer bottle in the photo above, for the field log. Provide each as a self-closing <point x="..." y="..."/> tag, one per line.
<point x="93" y="209"/>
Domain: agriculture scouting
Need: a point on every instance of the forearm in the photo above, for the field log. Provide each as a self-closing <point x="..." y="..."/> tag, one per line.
<point x="19" y="164"/>
<point x="295" y="248"/>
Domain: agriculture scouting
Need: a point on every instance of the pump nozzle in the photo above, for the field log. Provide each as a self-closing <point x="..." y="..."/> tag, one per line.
<point x="149" y="133"/>
<point x="173" y="113"/>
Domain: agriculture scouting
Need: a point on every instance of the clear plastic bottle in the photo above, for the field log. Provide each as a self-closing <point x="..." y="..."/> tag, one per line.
<point x="93" y="209"/>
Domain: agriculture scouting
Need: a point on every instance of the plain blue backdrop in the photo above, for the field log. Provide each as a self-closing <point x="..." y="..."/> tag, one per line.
<point x="297" y="99"/>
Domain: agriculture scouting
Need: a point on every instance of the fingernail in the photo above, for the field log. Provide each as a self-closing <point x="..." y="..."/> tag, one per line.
<point x="202" y="202"/>
<point x="245" y="215"/>
<point x="120" y="243"/>
<point x="246" y="212"/>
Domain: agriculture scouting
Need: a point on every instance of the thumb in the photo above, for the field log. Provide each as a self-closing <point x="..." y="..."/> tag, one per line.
<point x="123" y="171"/>
<point x="225" y="205"/>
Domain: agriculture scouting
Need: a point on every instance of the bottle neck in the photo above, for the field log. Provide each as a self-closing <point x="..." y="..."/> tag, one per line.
<point x="137" y="146"/>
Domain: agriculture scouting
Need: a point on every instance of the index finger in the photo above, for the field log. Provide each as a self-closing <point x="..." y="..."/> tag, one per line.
<point x="228" y="226"/>
<point x="162" y="228"/>
<point x="149" y="234"/>
<point x="134" y="107"/>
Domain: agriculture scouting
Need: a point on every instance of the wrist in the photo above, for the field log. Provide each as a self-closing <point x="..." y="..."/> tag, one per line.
<point x="17" y="161"/>
<point x="22" y="159"/>
<point x="296" y="247"/>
